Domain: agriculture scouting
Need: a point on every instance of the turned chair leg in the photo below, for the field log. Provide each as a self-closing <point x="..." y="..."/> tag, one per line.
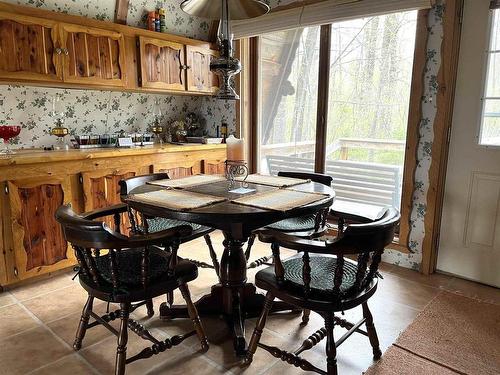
<point x="257" y="332"/>
<point x="193" y="315"/>
<point x="305" y="316"/>
<point x="213" y="255"/>
<point x="121" y="350"/>
<point x="372" y="333"/>
<point x="84" y="321"/>
<point x="150" y="308"/>
<point x="331" y="350"/>
<point x="251" y="240"/>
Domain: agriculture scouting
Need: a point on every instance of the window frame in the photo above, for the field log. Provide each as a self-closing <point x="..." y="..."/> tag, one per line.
<point x="486" y="70"/>
<point x="249" y="108"/>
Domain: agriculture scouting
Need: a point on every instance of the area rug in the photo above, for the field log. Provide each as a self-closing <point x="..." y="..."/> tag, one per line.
<point x="397" y="361"/>
<point x="455" y="333"/>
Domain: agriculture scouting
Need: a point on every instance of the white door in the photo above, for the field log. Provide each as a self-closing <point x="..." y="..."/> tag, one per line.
<point x="470" y="230"/>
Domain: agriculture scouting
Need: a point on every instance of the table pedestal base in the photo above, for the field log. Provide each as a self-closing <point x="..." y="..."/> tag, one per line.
<point x="233" y="298"/>
<point x="245" y="303"/>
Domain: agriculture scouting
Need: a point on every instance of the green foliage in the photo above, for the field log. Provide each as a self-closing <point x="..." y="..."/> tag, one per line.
<point x="371" y="62"/>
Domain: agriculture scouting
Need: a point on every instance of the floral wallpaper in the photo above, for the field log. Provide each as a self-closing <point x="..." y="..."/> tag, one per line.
<point x="95" y="111"/>
<point x="100" y="112"/>
<point x="178" y="22"/>
<point x="426" y="133"/>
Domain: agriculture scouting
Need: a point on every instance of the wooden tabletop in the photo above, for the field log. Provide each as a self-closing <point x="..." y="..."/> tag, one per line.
<point x="238" y="219"/>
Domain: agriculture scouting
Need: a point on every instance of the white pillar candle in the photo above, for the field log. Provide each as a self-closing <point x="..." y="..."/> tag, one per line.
<point x="235" y="148"/>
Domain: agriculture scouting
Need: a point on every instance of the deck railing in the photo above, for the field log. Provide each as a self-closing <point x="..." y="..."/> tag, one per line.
<point x="364" y="182"/>
<point x="306" y="148"/>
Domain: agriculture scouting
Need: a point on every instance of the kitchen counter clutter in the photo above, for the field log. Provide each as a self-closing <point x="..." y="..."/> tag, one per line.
<point x="34" y="183"/>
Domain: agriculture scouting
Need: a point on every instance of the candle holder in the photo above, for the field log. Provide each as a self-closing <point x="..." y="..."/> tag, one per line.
<point x="236" y="168"/>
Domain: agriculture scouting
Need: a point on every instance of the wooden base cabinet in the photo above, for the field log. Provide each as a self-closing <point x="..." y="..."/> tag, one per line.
<point x="36" y="240"/>
<point x="33" y="187"/>
<point x="101" y="189"/>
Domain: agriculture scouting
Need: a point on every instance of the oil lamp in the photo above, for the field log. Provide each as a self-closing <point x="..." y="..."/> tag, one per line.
<point x="59" y="116"/>
<point x="156" y="127"/>
<point x="226" y="66"/>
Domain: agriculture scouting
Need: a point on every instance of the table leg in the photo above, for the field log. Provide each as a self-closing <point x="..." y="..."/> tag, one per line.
<point x="233" y="298"/>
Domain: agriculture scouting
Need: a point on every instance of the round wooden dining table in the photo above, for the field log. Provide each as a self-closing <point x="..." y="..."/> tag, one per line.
<point x="233" y="298"/>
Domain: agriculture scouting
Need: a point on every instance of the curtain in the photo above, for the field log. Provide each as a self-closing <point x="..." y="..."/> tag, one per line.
<point x="323" y="12"/>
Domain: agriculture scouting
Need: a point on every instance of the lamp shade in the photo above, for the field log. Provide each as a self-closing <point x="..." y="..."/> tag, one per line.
<point x="238" y="9"/>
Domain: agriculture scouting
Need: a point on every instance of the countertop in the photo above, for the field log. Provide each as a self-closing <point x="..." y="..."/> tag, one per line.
<point x="34" y="156"/>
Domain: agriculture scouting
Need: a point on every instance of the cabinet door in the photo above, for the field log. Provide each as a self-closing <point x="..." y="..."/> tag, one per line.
<point x="162" y="64"/>
<point x="27" y="48"/>
<point x="37" y="238"/>
<point x="199" y="76"/>
<point x="215" y="166"/>
<point x="93" y="56"/>
<point x="101" y="189"/>
<point x="178" y="169"/>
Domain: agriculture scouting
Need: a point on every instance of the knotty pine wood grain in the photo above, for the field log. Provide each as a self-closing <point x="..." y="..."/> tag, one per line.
<point x="23" y="157"/>
<point x="66" y="169"/>
<point x="414" y="118"/>
<point x="83" y="62"/>
<point x="199" y="76"/>
<point x="4" y="244"/>
<point x="123" y="54"/>
<point x="37" y="242"/>
<point x="161" y="64"/>
<point x="214" y="166"/>
<point x="27" y="47"/>
<point x="43" y="238"/>
<point x="101" y="190"/>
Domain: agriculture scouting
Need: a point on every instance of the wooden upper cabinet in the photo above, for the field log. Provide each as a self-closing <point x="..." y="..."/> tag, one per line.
<point x="48" y="50"/>
<point x="28" y="48"/>
<point x="199" y="76"/>
<point x="93" y="56"/>
<point x="162" y="64"/>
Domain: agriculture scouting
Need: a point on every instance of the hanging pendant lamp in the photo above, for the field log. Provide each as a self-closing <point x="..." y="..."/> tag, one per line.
<point x="226" y="66"/>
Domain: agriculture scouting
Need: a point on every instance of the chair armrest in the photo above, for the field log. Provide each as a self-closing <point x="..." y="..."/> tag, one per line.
<point x="105" y="211"/>
<point x="160" y="238"/>
<point x="298" y="243"/>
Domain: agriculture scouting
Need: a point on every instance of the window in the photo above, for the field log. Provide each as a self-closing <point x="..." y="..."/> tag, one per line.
<point x="289" y="89"/>
<point x="490" y="125"/>
<point x="371" y="63"/>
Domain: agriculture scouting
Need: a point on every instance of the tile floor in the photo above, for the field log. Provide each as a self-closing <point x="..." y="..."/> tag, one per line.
<point x="38" y="323"/>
